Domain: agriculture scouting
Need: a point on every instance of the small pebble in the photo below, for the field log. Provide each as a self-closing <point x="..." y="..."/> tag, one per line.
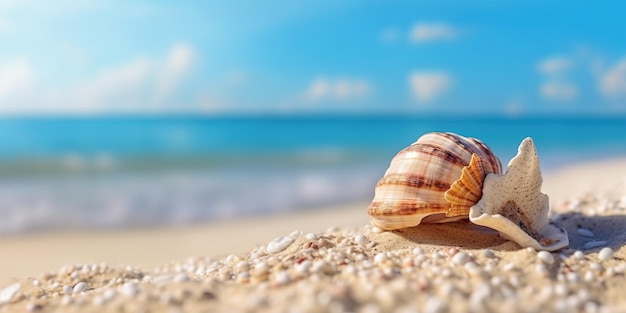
<point x="541" y="269"/>
<point x="473" y="268"/>
<point x="605" y="254"/>
<point x="578" y="255"/>
<point x="361" y="239"/>
<point x="560" y="289"/>
<point x="279" y="244"/>
<point x="460" y="258"/>
<point x="243" y="276"/>
<point x="80" y="287"/>
<point x="242" y="266"/>
<point x="418" y="251"/>
<point x="435" y="305"/>
<point x="310" y="236"/>
<point x="282" y="278"/>
<point x="33" y="307"/>
<point x="585" y="232"/>
<point x="381" y="257"/>
<point x="573" y="277"/>
<point x="66" y="300"/>
<point x="261" y="268"/>
<point x="322" y="267"/>
<point x="489" y="253"/>
<point x="596" y="267"/>
<point x="231" y="258"/>
<point x="546" y="257"/>
<point x="130" y="289"/>
<point x="303" y="267"/>
<point x="182" y="277"/>
<point x="595" y="244"/>
<point x="67" y="290"/>
<point x="376" y="230"/>
<point x="109" y="294"/>
<point x="620" y="268"/>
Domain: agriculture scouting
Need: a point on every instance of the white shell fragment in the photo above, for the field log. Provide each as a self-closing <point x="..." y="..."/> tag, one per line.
<point x="605" y="254"/>
<point x="279" y="244"/>
<point x="513" y="204"/>
<point x="80" y="287"/>
<point x="7" y="294"/>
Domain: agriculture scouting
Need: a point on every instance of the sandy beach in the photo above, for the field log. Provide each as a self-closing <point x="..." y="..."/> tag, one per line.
<point x="331" y="260"/>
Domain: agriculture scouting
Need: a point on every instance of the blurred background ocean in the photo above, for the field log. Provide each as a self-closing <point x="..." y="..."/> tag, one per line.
<point x="117" y="114"/>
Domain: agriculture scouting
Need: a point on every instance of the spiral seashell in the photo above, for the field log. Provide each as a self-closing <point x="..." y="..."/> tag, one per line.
<point x="436" y="179"/>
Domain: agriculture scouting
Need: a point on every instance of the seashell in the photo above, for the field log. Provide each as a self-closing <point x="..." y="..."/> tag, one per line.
<point x="513" y="204"/>
<point x="436" y="179"/>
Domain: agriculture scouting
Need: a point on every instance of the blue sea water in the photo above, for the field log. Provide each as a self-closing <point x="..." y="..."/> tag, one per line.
<point x="129" y="171"/>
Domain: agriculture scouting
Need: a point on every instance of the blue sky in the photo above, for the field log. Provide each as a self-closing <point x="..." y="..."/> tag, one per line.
<point x="92" y="57"/>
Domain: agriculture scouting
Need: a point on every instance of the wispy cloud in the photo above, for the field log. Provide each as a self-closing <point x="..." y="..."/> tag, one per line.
<point x="142" y="84"/>
<point x="341" y="89"/>
<point x="427" y="86"/>
<point x="612" y="83"/>
<point x="427" y="32"/>
<point x="172" y="70"/>
<point x="556" y="85"/>
<point x="114" y="88"/>
<point x="556" y="65"/>
<point x="558" y="90"/>
<point x="16" y="77"/>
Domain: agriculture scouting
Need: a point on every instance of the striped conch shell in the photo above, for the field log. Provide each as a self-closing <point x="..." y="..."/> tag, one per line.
<point x="436" y="179"/>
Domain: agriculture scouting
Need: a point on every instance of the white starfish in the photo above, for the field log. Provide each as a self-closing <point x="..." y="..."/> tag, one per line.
<point x="513" y="204"/>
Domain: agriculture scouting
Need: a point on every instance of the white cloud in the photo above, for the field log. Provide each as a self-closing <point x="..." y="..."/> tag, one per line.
<point x="556" y="85"/>
<point x="342" y="89"/>
<point x="425" y="32"/>
<point x="555" y="65"/>
<point x="115" y="88"/>
<point x="174" y="68"/>
<point x="613" y="82"/>
<point x="426" y="86"/>
<point x="16" y="77"/>
<point x="558" y="90"/>
<point x="142" y="84"/>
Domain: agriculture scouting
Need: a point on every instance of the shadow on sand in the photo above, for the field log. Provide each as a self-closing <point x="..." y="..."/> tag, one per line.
<point x="458" y="234"/>
<point x="609" y="228"/>
<point x="463" y="234"/>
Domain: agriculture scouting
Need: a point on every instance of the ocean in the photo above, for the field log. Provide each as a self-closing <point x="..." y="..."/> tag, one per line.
<point x="129" y="171"/>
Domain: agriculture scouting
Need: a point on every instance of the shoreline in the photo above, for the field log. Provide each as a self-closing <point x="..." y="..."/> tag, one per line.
<point x="143" y="245"/>
<point x="150" y="247"/>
